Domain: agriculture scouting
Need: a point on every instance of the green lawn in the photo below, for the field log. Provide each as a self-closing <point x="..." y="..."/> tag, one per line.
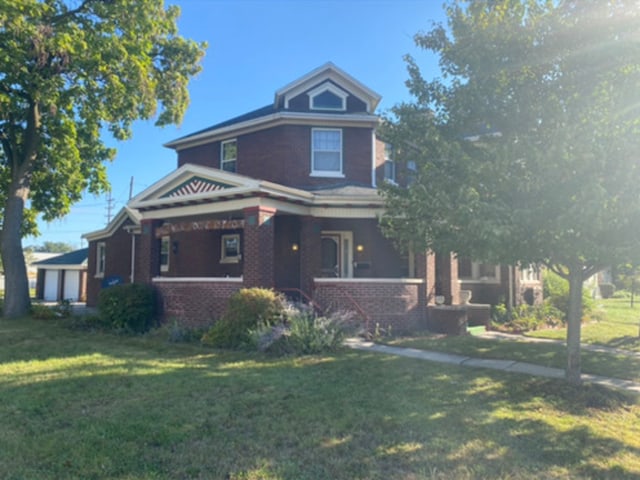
<point x="618" y="326"/>
<point x="81" y="405"/>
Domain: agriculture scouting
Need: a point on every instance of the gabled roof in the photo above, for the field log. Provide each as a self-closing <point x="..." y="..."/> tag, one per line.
<point x="194" y="189"/>
<point x="75" y="259"/>
<point x="329" y="71"/>
<point x="123" y="215"/>
<point x="278" y="112"/>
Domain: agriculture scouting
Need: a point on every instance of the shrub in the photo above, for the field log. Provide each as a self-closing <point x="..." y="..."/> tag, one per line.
<point x="304" y="333"/>
<point x="177" y="332"/>
<point x="607" y="290"/>
<point x="247" y="308"/>
<point x="42" y="312"/>
<point x="526" y="317"/>
<point x="556" y="293"/>
<point x="130" y="307"/>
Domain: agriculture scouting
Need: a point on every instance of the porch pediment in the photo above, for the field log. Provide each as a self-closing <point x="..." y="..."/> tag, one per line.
<point x="192" y="184"/>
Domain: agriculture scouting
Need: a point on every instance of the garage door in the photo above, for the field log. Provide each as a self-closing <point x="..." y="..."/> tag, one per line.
<point x="71" y="285"/>
<point x="51" y="285"/>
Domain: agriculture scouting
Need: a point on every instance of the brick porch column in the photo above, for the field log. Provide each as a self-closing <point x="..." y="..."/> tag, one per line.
<point x="426" y="270"/>
<point x="447" y="281"/>
<point x="148" y="252"/>
<point x="258" y="251"/>
<point x="310" y="255"/>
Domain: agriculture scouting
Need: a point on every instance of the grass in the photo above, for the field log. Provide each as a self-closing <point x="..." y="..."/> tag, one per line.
<point x="82" y="405"/>
<point x="617" y="326"/>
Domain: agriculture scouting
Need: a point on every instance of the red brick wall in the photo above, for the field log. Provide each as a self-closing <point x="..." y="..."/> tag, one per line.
<point x="195" y="303"/>
<point x="259" y="247"/>
<point x="387" y="303"/>
<point x="283" y="155"/>
<point x="117" y="262"/>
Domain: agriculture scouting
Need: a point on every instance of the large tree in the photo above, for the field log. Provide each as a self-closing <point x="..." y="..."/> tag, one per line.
<point x="71" y="70"/>
<point x="528" y="144"/>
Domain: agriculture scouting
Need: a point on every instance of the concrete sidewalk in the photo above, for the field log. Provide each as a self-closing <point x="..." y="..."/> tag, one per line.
<point x="503" y="365"/>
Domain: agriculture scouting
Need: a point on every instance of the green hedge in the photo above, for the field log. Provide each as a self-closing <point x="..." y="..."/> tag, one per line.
<point x="130" y="307"/>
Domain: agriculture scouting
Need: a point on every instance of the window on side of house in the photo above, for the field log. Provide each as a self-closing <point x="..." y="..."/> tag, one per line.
<point x="389" y="163"/>
<point x="470" y="271"/>
<point x="326" y="152"/>
<point x="230" y="248"/>
<point x="101" y="255"/>
<point x="228" y="155"/>
<point x="165" y="247"/>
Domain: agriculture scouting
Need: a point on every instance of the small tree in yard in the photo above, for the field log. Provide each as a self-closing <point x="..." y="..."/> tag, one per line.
<point x="68" y="70"/>
<point x="528" y="146"/>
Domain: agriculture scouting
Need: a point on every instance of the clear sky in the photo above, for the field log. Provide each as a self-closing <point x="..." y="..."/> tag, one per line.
<point x="255" y="48"/>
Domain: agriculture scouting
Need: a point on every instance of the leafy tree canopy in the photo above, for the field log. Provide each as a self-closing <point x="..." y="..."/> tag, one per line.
<point x="52" y="247"/>
<point x="69" y="70"/>
<point x="527" y="145"/>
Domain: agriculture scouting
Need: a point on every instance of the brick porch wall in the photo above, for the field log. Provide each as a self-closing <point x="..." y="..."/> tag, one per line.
<point x="388" y="302"/>
<point x="195" y="302"/>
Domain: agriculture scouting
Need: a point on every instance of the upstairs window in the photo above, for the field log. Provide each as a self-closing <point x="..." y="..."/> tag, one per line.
<point x="327" y="97"/>
<point x="164" y="254"/>
<point x="326" y="152"/>
<point x="101" y="251"/>
<point x="389" y="163"/>
<point x="228" y="155"/>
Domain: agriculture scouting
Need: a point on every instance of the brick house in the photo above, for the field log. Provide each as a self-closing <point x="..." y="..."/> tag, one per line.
<point x="283" y="197"/>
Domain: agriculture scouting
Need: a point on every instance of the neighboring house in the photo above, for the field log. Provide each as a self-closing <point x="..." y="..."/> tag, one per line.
<point x="282" y="197"/>
<point x="62" y="277"/>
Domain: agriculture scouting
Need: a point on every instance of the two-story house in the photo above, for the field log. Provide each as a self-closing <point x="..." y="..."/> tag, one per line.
<point x="284" y="197"/>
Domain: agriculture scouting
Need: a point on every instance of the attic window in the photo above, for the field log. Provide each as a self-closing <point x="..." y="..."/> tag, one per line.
<point x="327" y="97"/>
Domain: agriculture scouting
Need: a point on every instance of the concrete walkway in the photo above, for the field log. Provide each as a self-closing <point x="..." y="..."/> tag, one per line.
<point x="503" y="365"/>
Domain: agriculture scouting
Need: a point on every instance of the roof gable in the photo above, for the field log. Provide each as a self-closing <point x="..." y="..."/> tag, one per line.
<point x="328" y="73"/>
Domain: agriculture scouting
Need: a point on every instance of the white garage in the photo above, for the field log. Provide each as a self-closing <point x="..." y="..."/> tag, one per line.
<point x="63" y="277"/>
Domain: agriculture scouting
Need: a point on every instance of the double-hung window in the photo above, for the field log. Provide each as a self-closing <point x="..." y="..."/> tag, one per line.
<point x="389" y="163"/>
<point x="164" y="254"/>
<point x="228" y="155"/>
<point x="101" y="250"/>
<point x="230" y="248"/>
<point x="326" y="152"/>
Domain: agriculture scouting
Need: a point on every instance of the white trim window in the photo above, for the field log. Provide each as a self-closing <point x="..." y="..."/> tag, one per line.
<point x="389" y="164"/>
<point x="228" y="155"/>
<point x="165" y="248"/>
<point x="230" y="248"/>
<point x="328" y="97"/>
<point x="326" y="152"/>
<point x="101" y="256"/>
<point x="470" y="271"/>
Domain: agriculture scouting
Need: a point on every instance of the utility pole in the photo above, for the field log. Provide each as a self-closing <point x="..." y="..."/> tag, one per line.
<point x="110" y="202"/>
<point x="131" y="188"/>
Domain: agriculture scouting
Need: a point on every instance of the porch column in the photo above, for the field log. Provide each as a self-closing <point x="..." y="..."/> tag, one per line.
<point x="447" y="278"/>
<point x="310" y="252"/>
<point x="258" y="251"/>
<point x="425" y="264"/>
<point x="148" y="264"/>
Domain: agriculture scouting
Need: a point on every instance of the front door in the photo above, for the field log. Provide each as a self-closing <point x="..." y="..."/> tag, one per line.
<point x="337" y="255"/>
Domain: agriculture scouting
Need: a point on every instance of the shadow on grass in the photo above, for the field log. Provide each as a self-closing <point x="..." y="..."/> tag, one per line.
<point x="131" y="408"/>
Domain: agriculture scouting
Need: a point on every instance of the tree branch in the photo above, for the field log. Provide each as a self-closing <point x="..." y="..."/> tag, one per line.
<point x="70" y="13"/>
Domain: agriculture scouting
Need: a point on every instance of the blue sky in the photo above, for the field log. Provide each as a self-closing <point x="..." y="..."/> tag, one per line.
<point x="255" y="48"/>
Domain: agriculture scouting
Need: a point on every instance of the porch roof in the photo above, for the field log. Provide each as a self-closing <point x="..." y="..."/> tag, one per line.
<point x="194" y="189"/>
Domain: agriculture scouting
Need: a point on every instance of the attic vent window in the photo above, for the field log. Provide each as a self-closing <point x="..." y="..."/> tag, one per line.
<point x="328" y="97"/>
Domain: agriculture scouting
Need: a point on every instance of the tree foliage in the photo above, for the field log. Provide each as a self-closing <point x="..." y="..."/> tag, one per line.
<point x="527" y="145"/>
<point x="70" y="70"/>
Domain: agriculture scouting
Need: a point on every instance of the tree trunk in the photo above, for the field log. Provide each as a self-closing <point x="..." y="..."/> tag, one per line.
<point x="16" y="290"/>
<point x="574" y="324"/>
